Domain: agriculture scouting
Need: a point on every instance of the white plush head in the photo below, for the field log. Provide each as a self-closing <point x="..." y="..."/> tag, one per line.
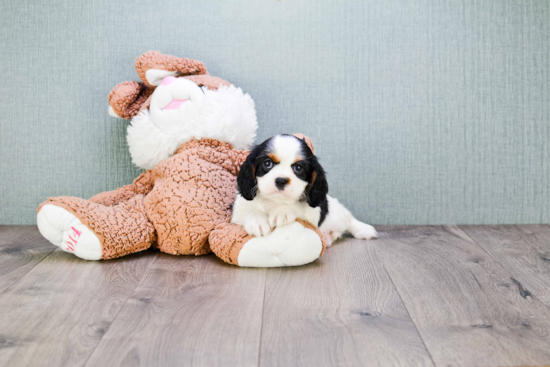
<point x="180" y="110"/>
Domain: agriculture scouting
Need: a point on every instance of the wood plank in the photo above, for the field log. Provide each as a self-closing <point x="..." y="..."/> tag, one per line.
<point x="21" y="249"/>
<point x="466" y="307"/>
<point x="188" y="311"/>
<point x="523" y="250"/>
<point x="341" y="310"/>
<point x="57" y="314"/>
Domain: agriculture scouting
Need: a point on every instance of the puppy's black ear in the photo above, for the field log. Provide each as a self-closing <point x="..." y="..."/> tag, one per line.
<point x="317" y="189"/>
<point x="246" y="180"/>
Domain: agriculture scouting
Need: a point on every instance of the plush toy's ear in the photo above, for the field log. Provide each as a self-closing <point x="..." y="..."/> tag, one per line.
<point x="127" y="99"/>
<point x="246" y="180"/>
<point x="317" y="189"/>
<point x="175" y="66"/>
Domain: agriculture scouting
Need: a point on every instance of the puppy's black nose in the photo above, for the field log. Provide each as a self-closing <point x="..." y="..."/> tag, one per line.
<point x="281" y="182"/>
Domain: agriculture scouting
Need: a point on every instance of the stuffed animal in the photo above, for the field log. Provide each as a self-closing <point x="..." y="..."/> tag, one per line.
<point x="190" y="131"/>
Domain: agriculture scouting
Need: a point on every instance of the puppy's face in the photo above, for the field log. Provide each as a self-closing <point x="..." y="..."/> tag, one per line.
<point x="283" y="168"/>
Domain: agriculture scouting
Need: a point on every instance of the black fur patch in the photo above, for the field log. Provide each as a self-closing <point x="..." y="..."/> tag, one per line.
<point x="317" y="190"/>
<point x="246" y="180"/>
<point x="324" y="212"/>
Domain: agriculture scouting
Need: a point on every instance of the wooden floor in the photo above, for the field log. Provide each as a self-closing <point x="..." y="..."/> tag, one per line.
<point x="443" y="296"/>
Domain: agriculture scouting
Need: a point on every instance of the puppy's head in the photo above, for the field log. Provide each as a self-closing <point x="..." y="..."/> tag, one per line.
<point x="283" y="168"/>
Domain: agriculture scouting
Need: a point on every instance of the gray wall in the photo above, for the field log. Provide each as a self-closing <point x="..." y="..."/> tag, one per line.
<point x="422" y="112"/>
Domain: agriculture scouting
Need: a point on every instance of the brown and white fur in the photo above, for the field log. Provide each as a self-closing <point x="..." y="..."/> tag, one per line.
<point x="282" y="180"/>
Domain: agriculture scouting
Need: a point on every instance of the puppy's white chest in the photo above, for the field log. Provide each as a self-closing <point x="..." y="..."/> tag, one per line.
<point x="267" y="206"/>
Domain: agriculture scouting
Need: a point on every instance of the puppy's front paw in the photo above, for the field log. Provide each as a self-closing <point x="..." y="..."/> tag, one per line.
<point x="281" y="217"/>
<point x="257" y="226"/>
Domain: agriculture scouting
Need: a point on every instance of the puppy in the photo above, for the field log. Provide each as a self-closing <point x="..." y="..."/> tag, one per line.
<point x="281" y="180"/>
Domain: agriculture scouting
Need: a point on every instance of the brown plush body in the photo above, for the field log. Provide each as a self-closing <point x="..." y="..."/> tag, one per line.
<point x="174" y="206"/>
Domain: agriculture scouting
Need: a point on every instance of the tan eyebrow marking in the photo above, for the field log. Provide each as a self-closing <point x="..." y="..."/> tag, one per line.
<point x="274" y="158"/>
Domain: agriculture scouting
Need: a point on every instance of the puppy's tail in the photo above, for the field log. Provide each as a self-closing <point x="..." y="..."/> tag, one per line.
<point x="361" y="230"/>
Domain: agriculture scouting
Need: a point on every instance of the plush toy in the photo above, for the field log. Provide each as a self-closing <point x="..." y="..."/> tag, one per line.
<point x="190" y="131"/>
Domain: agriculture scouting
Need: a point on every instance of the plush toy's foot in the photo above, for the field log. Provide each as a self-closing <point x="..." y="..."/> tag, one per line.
<point x="295" y="244"/>
<point x="66" y="231"/>
<point x="93" y="231"/>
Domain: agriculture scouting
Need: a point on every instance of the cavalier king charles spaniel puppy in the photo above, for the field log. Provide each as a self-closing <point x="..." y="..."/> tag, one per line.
<point x="281" y="180"/>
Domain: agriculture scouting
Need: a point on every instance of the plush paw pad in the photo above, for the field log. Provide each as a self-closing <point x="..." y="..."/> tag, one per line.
<point x="66" y="231"/>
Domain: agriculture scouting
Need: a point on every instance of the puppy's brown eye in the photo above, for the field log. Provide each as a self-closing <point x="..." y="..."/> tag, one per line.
<point x="268" y="164"/>
<point x="298" y="169"/>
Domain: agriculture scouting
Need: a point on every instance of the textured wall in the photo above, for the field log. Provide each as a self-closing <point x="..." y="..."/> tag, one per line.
<point x="422" y="112"/>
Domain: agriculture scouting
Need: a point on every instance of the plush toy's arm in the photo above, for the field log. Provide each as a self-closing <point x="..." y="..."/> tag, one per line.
<point x="295" y="244"/>
<point x="141" y="185"/>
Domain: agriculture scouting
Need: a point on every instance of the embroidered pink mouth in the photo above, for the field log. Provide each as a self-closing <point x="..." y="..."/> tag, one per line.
<point x="176" y="103"/>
